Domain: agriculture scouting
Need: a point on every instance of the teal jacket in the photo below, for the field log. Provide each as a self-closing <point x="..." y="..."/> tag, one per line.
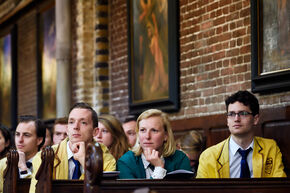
<point x="131" y="166"/>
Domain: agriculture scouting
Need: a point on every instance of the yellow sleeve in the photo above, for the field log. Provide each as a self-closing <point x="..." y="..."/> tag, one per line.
<point x="278" y="167"/>
<point x="202" y="169"/>
<point x="109" y="162"/>
<point x="35" y="164"/>
<point x="2" y="168"/>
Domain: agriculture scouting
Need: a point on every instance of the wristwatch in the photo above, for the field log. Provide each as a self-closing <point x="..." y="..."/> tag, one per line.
<point x="23" y="172"/>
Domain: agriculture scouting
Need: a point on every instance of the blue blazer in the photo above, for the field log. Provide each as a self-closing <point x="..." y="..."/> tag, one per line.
<point x="131" y="166"/>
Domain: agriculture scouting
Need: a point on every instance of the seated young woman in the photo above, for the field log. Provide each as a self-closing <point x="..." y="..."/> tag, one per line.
<point x="110" y="132"/>
<point x="155" y="154"/>
<point x="5" y="141"/>
<point x="192" y="144"/>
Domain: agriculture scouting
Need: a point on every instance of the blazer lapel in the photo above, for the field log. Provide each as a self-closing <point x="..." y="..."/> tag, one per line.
<point x="140" y="167"/>
<point x="61" y="161"/>
<point x="223" y="161"/>
<point x="258" y="159"/>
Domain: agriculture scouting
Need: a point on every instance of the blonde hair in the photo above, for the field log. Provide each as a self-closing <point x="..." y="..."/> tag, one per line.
<point x="119" y="144"/>
<point x="169" y="146"/>
<point x="191" y="142"/>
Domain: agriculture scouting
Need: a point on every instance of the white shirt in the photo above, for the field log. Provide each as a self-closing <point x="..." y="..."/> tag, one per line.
<point x="29" y="171"/>
<point x="235" y="159"/>
<point x="158" y="173"/>
<point x="71" y="164"/>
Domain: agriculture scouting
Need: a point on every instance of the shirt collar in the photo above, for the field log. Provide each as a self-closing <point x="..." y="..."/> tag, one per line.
<point x="147" y="163"/>
<point x="69" y="152"/>
<point x="234" y="146"/>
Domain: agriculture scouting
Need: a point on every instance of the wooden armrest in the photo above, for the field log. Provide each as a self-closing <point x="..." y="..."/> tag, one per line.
<point x="44" y="173"/>
<point x="11" y="172"/>
<point x="93" y="168"/>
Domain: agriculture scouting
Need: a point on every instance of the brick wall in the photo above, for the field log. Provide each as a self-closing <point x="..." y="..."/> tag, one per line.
<point x="215" y="57"/>
<point x="214" y="53"/>
<point x="83" y="51"/>
<point x="118" y="58"/>
<point x="27" y="66"/>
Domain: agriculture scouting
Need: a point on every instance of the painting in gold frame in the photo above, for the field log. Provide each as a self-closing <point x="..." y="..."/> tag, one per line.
<point x="5" y="79"/>
<point x="153" y="55"/>
<point x="48" y="63"/>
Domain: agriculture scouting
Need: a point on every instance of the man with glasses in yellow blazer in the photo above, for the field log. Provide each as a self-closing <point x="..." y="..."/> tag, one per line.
<point x="242" y="155"/>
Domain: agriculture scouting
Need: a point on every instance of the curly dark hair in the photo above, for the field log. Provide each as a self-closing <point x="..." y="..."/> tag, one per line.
<point x="245" y="97"/>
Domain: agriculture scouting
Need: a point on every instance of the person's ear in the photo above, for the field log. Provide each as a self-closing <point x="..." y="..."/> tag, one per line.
<point x="39" y="140"/>
<point x="7" y="143"/>
<point x="95" y="131"/>
<point x="256" y="119"/>
<point x="166" y="137"/>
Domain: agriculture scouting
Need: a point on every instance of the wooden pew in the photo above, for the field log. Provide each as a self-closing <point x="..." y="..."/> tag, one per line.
<point x="277" y="185"/>
<point x="11" y="172"/>
<point x="94" y="183"/>
<point x="12" y="183"/>
<point x="279" y="130"/>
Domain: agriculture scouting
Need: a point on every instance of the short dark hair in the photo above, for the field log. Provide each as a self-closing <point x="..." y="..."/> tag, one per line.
<point x="82" y="105"/>
<point x="129" y="118"/>
<point x="245" y="97"/>
<point x="7" y="136"/>
<point x="61" y="121"/>
<point x="39" y="126"/>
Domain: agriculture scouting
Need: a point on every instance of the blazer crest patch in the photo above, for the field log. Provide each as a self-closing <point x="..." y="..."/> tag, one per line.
<point x="269" y="165"/>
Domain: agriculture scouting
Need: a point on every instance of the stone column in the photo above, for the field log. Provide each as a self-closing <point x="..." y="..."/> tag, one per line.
<point x="63" y="57"/>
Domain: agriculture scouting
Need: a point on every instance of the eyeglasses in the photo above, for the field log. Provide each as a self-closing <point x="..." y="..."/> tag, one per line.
<point x="241" y="114"/>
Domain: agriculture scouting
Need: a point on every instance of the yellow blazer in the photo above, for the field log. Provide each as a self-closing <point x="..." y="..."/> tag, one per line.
<point x="3" y="165"/>
<point x="60" y="165"/>
<point x="267" y="160"/>
<point x="2" y="168"/>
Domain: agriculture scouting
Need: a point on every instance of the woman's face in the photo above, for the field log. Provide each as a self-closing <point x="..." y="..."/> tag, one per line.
<point x="103" y="135"/>
<point x="3" y="143"/>
<point x="152" y="134"/>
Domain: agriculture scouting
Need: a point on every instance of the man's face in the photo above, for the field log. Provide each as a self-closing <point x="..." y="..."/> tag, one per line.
<point x="129" y="129"/>
<point x="59" y="133"/>
<point x="80" y="126"/>
<point x="241" y="125"/>
<point x="47" y="139"/>
<point x="26" y="139"/>
<point x="3" y="143"/>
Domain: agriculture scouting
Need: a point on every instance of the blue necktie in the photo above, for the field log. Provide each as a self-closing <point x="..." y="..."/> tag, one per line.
<point x="152" y="167"/>
<point x="77" y="171"/>
<point x="245" y="171"/>
<point x="28" y="165"/>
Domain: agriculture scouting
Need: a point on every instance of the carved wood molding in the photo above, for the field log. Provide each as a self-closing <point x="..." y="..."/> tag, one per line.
<point x="10" y="7"/>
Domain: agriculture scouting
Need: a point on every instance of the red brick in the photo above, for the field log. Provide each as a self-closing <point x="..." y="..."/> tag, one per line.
<point x="245" y="49"/>
<point x="212" y="6"/>
<point x="224" y="2"/>
<point x="219" y="21"/>
<point x="227" y="71"/>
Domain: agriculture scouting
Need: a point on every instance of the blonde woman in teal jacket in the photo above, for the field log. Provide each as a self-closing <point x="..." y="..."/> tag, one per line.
<point x="155" y="153"/>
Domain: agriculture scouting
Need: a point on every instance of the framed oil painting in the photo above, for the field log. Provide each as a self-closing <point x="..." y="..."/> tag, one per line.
<point x="47" y="36"/>
<point x="153" y="55"/>
<point x="8" y="96"/>
<point x="270" y="38"/>
<point x="47" y="60"/>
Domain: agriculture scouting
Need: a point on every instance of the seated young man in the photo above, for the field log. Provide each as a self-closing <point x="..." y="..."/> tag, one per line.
<point x="29" y="138"/>
<point x="242" y="155"/>
<point x="59" y="130"/>
<point x="69" y="161"/>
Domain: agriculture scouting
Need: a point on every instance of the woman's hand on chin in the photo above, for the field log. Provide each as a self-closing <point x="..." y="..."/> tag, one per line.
<point x="152" y="156"/>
